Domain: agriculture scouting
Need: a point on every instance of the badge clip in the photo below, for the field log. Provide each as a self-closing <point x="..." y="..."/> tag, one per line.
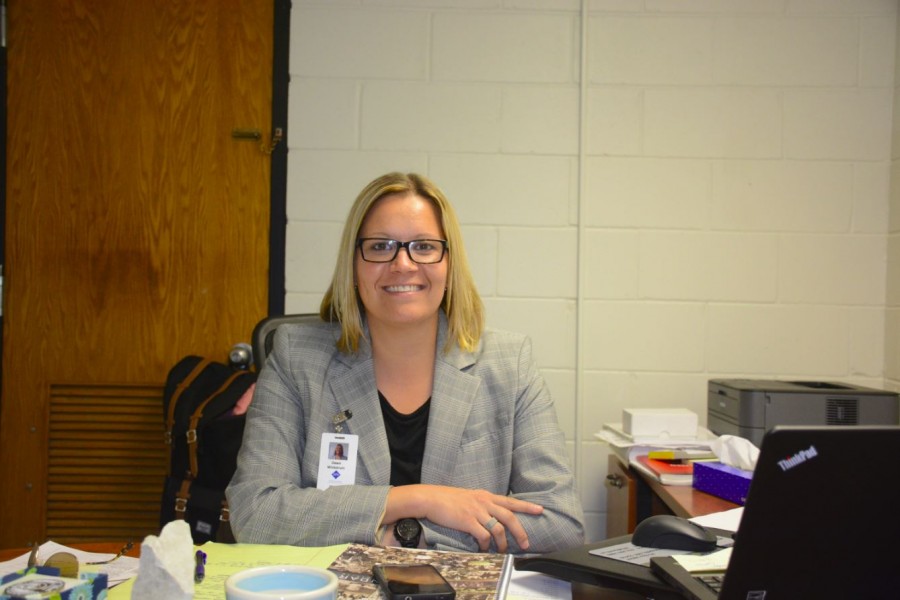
<point x="338" y="420"/>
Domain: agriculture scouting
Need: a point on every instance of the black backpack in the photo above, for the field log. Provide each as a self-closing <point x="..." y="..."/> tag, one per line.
<point x="204" y="436"/>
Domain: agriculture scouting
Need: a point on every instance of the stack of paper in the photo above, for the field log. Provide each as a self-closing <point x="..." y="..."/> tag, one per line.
<point x="662" y="444"/>
<point x="627" y="447"/>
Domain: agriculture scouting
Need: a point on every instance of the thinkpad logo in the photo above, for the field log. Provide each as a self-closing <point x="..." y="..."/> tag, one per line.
<point x="801" y="457"/>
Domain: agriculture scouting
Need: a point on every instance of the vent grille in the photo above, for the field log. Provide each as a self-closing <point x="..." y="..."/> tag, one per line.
<point x="842" y="411"/>
<point x="106" y="462"/>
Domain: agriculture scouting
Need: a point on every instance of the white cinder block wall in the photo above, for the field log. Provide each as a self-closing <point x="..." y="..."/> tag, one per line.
<point x="657" y="191"/>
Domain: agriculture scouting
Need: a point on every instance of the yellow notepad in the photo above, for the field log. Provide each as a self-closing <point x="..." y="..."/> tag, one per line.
<point x="223" y="560"/>
<point x="705" y="563"/>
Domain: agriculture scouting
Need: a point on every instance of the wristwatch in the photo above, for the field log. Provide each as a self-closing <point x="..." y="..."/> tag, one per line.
<point x="407" y="531"/>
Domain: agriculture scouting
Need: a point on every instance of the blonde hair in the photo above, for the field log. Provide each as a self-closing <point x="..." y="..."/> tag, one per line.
<point x="461" y="303"/>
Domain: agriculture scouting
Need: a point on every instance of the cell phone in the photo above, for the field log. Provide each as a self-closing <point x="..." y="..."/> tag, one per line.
<point x="412" y="582"/>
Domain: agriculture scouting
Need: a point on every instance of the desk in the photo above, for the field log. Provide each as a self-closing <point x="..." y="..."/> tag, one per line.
<point x="633" y="496"/>
<point x="580" y="591"/>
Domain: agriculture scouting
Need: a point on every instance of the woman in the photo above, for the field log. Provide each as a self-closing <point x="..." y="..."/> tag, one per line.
<point x="338" y="453"/>
<point x="458" y="445"/>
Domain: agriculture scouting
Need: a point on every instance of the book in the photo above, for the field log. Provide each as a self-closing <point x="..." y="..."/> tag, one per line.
<point x="665" y="471"/>
<point x="474" y="576"/>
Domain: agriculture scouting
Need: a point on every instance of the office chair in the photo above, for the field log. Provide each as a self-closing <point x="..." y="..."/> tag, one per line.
<point x="264" y="333"/>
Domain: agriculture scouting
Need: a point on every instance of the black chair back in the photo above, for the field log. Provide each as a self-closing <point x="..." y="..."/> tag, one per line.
<point x="264" y="332"/>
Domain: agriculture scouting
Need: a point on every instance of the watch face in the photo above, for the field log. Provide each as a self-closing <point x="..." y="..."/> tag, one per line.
<point x="407" y="529"/>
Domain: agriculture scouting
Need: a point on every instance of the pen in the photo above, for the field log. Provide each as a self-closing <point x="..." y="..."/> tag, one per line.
<point x="199" y="569"/>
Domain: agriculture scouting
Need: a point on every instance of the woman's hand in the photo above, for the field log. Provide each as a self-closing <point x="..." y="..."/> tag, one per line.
<point x="481" y="514"/>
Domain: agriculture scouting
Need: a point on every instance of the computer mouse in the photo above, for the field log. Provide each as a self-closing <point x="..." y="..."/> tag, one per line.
<point x="673" y="533"/>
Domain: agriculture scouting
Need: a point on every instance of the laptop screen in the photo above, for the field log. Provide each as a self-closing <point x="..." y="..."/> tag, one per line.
<point x="822" y="517"/>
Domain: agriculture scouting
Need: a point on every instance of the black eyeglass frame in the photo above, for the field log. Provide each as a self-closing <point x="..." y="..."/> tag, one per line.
<point x="398" y="246"/>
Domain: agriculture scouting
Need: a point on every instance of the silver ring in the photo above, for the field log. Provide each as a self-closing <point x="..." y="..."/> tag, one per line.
<point x="490" y="524"/>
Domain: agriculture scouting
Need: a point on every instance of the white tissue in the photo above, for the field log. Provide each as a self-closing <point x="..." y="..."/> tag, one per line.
<point x="735" y="451"/>
<point x="166" y="570"/>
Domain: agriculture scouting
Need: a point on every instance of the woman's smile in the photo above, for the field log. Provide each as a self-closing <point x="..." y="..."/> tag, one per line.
<point x="398" y="289"/>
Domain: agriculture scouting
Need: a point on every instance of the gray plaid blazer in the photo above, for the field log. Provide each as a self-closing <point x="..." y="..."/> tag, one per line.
<point x="491" y="426"/>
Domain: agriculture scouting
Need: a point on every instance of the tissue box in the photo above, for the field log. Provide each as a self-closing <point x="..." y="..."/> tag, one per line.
<point x="723" y="481"/>
<point x="45" y="582"/>
<point x="660" y="423"/>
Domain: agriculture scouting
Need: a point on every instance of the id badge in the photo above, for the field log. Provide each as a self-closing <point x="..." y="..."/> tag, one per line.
<point x="337" y="460"/>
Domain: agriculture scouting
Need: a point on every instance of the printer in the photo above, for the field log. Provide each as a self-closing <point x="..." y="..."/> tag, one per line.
<point x="750" y="407"/>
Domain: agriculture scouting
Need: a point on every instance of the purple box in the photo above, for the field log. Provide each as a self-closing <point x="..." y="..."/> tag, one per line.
<point x="722" y="481"/>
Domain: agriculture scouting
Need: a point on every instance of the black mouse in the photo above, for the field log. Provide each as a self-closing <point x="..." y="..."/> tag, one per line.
<point x="673" y="533"/>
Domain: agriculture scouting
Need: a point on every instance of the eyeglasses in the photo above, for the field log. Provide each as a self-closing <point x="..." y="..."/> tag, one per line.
<point x="120" y="554"/>
<point x="383" y="250"/>
<point x="67" y="563"/>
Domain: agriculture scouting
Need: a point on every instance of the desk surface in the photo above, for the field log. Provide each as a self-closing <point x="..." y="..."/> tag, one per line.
<point x="685" y="501"/>
<point x="580" y="591"/>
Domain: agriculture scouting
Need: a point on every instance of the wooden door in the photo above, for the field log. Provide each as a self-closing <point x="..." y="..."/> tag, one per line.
<point x="137" y="233"/>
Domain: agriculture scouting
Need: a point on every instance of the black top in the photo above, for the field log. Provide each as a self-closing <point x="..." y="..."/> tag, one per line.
<point x="406" y="439"/>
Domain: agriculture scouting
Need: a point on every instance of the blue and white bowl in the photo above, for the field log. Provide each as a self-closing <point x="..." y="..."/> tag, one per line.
<point x="282" y="582"/>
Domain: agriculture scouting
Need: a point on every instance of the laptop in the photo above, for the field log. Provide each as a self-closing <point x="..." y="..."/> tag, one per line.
<point x="821" y="520"/>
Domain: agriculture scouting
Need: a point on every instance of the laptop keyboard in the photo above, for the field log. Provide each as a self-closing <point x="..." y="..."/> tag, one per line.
<point x="713" y="582"/>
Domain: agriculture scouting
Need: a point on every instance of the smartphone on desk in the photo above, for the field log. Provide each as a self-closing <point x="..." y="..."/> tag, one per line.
<point x="413" y="582"/>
